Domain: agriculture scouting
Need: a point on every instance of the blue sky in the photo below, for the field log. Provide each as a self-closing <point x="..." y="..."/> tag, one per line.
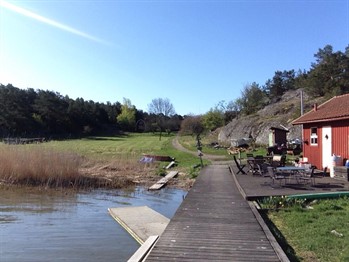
<point x="196" y="53"/>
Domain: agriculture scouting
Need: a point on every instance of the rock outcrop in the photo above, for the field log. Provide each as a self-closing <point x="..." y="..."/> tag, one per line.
<point x="279" y="115"/>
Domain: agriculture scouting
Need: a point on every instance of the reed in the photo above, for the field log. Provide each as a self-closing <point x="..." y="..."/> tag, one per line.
<point x="38" y="166"/>
<point x="42" y="166"/>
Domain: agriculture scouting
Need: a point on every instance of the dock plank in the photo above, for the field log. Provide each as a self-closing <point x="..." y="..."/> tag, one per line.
<point x="214" y="223"/>
<point x="144" y="249"/>
<point x="163" y="181"/>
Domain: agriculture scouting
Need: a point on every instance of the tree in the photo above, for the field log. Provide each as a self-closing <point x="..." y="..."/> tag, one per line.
<point x="162" y="106"/>
<point x="233" y="110"/>
<point x="322" y="55"/>
<point x="163" y="109"/>
<point x="329" y="76"/>
<point x="213" y="119"/>
<point x="252" y="99"/>
<point x="281" y="82"/>
<point x="192" y="125"/>
<point x="52" y="108"/>
<point x="127" y="117"/>
<point x="16" y="111"/>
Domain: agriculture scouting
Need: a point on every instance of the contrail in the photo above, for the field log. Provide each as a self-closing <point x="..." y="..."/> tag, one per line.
<point x="50" y="22"/>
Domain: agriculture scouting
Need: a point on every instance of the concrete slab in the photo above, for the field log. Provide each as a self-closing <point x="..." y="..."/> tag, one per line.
<point x="141" y="222"/>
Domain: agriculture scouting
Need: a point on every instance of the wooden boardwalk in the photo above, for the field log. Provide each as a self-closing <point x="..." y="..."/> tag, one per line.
<point x="215" y="223"/>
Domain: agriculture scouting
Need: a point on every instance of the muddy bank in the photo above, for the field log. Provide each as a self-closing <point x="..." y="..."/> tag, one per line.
<point x="139" y="174"/>
<point x="106" y="175"/>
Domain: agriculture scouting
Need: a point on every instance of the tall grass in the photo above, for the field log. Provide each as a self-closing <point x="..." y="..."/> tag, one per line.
<point x="38" y="166"/>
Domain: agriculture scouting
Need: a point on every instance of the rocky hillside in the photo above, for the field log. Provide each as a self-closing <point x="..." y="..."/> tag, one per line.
<point x="278" y="115"/>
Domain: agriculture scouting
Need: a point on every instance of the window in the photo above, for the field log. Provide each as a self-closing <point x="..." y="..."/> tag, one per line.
<point x="313" y="136"/>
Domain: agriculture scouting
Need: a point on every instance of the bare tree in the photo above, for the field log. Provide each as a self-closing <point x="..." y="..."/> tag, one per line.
<point x="163" y="109"/>
<point x="162" y="106"/>
<point x="192" y="125"/>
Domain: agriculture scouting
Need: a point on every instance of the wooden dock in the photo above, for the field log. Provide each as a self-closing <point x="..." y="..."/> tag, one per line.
<point x="215" y="223"/>
<point x="141" y="222"/>
<point x="163" y="181"/>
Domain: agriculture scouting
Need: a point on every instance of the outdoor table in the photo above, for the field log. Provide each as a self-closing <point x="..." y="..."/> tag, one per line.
<point x="293" y="171"/>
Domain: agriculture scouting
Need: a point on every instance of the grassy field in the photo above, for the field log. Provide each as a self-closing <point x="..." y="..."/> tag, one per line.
<point x="114" y="160"/>
<point x="130" y="146"/>
<point x="315" y="231"/>
<point x="189" y="142"/>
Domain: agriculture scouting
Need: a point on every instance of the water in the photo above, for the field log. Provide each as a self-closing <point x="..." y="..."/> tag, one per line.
<point x="61" y="226"/>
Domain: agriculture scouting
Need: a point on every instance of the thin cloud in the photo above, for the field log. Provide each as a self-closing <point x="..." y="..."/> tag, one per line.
<point x="50" y="22"/>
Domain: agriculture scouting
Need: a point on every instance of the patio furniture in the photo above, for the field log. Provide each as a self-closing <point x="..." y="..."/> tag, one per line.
<point x="278" y="160"/>
<point x="293" y="172"/>
<point x="250" y="163"/>
<point x="276" y="175"/>
<point x="256" y="165"/>
<point x="308" y="176"/>
<point x="239" y="166"/>
<point x="320" y="173"/>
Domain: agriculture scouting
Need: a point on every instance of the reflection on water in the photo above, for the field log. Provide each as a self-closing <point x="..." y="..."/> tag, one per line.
<point x="61" y="226"/>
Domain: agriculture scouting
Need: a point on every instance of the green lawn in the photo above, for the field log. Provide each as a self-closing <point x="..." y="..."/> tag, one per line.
<point x="131" y="145"/>
<point x="318" y="231"/>
<point x="190" y="143"/>
<point x="38" y="164"/>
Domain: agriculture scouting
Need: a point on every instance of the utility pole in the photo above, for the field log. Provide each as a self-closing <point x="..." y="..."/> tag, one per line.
<point x="302" y="107"/>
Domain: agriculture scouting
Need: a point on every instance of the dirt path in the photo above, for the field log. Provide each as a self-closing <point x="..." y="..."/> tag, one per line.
<point x="209" y="157"/>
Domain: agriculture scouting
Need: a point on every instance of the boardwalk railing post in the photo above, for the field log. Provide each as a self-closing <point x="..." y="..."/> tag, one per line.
<point x="199" y="147"/>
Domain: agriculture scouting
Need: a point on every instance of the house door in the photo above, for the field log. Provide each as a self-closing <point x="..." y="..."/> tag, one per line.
<point x="326" y="139"/>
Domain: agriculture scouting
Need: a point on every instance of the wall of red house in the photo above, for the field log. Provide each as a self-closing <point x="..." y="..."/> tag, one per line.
<point x="340" y="141"/>
<point x="313" y="153"/>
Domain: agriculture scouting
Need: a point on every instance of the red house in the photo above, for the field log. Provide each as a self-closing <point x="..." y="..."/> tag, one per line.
<point x="326" y="132"/>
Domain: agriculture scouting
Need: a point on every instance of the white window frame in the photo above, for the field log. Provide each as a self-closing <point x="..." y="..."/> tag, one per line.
<point x="314" y="136"/>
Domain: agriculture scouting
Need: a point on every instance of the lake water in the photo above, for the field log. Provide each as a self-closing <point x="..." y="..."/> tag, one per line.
<point x="70" y="226"/>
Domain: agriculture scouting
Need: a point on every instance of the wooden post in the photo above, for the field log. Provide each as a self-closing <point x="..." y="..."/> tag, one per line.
<point x="199" y="147"/>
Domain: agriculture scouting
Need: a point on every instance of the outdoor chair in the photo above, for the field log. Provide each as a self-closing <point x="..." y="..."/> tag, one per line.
<point x="239" y="166"/>
<point x="308" y="177"/>
<point x="276" y="175"/>
<point x="321" y="173"/>
<point x="324" y="173"/>
<point x="250" y="162"/>
<point x="258" y="170"/>
<point x="283" y="160"/>
<point x="256" y="165"/>
<point x="275" y="162"/>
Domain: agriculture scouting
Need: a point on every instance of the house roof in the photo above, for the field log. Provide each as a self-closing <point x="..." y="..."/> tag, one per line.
<point x="337" y="108"/>
<point x="279" y="129"/>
